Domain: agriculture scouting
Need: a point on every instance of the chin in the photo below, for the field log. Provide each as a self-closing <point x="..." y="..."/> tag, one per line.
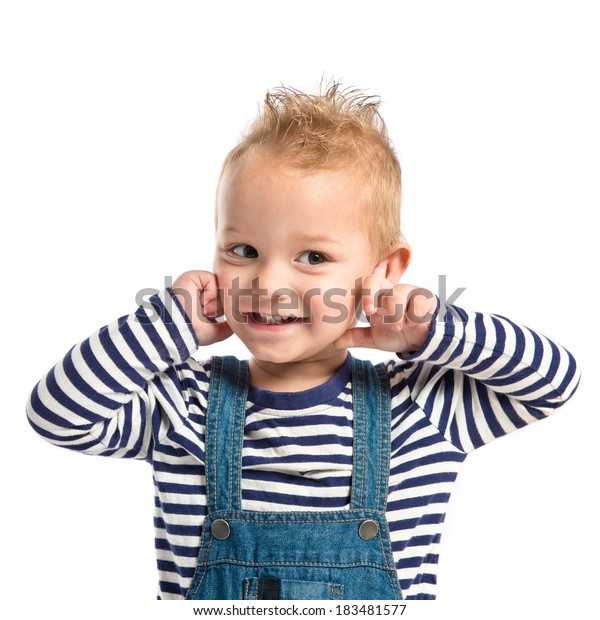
<point x="284" y="355"/>
<point x="273" y="357"/>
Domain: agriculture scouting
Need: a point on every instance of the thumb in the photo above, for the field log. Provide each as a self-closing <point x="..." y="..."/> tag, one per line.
<point x="213" y="331"/>
<point x="355" y="337"/>
<point x="223" y="330"/>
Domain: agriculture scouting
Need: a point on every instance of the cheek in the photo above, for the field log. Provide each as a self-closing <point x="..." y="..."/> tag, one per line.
<point x="335" y="307"/>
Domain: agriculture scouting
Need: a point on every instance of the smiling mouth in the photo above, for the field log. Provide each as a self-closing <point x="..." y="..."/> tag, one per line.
<point x="276" y="319"/>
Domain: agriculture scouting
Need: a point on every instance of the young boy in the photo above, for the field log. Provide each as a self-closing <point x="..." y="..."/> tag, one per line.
<point x="302" y="473"/>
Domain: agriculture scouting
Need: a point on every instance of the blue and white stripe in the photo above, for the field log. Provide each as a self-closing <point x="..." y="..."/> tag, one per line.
<point x="133" y="390"/>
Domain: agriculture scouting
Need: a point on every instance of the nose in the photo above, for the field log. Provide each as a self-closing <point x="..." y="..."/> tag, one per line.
<point x="271" y="291"/>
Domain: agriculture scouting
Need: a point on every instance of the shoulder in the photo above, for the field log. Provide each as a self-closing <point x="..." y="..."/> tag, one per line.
<point x="393" y="366"/>
<point x="199" y="371"/>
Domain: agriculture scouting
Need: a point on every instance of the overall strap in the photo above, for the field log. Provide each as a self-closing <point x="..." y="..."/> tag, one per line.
<point x="371" y="443"/>
<point x="224" y="435"/>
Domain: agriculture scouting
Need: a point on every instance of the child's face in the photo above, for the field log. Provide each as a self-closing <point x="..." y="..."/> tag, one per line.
<point x="290" y="243"/>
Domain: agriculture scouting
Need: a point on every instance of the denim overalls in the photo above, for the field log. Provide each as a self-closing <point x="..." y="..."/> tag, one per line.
<point x="343" y="554"/>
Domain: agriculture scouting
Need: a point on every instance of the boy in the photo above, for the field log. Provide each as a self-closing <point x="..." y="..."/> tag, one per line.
<point x="302" y="473"/>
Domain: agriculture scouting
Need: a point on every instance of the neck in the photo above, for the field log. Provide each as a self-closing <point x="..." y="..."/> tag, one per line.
<point x="295" y="376"/>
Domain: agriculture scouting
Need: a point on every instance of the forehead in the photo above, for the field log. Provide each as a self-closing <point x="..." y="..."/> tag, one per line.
<point x="266" y="185"/>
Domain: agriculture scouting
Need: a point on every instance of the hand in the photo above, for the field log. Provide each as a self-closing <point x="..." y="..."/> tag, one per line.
<point x="399" y="316"/>
<point x="198" y="293"/>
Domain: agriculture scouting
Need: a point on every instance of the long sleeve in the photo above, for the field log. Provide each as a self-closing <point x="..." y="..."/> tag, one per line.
<point x="478" y="377"/>
<point x="97" y="399"/>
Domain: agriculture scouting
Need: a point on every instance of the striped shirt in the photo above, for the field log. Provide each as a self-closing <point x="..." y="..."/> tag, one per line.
<point x="133" y="390"/>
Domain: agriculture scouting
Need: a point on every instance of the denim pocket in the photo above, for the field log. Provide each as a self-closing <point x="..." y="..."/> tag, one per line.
<point x="263" y="588"/>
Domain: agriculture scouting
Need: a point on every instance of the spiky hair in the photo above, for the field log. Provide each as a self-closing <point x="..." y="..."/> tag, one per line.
<point x="339" y="129"/>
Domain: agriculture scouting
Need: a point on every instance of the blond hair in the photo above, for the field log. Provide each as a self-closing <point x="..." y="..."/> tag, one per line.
<point x="337" y="129"/>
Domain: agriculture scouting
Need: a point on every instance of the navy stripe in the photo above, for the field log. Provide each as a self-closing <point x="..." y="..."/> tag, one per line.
<point x="161" y="349"/>
<point x="77" y="381"/>
<point x="516" y="377"/>
<point x="476" y="351"/>
<point x="410" y="524"/>
<point x="311" y="440"/>
<point x="250" y="461"/>
<point x="56" y="437"/>
<point x="167" y="587"/>
<point x="428" y="479"/>
<point x="569" y="376"/>
<point x="176" y="488"/>
<point x="403" y="437"/>
<point x="36" y="405"/>
<point x="447" y="388"/>
<point x="170" y="567"/>
<point x="509" y="410"/>
<point x="118" y="360"/>
<point x="178" y="509"/>
<point x="176" y="336"/>
<point x="419" y="501"/>
<point x="474" y="435"/>
<point x="176" y="529"/>
<point x="177" y="470"/>
<point x="312" y="419"/>
<point x="482" y="396"/>
<point x="425" y="442"/>
<point x="99" y="371"/>
<point x="298" y="501"/>
<point x="429" y="459"/>
<point x="66" y="401"/>
<point x="134" y="345"/>
<point x="281" y="478"/>
<point x="178" y="551"/>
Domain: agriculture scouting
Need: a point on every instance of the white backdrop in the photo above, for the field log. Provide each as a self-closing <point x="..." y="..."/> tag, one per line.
<point x="115" y="117"/>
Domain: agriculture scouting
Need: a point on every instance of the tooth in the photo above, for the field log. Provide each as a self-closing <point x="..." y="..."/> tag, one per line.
<point x="275" y="319"/>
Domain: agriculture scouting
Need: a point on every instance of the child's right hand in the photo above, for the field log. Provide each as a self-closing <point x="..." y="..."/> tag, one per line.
<point x="198" y="293"/>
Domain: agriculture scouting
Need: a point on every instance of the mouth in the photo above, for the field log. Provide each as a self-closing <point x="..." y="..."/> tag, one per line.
<point x="273" y="319"/>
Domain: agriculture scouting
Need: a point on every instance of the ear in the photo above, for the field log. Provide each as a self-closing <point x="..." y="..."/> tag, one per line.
<point x="394" y="262"/>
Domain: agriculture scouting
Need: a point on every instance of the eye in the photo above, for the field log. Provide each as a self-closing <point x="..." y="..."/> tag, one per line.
<point x="244" y="250"/>
<point x="311" y="258"/>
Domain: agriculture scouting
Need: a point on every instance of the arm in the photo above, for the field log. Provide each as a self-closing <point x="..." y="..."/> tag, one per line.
<point x="101" y="397"/>
<point x="478" y="376"/>
<point x="97" y="399"/>
<point x="475" y="376"/>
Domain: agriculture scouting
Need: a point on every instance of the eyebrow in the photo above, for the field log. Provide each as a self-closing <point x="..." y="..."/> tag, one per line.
<point x="231" y="229"/>
<point x="300" y="237"/>
<point x="318" y="239"/>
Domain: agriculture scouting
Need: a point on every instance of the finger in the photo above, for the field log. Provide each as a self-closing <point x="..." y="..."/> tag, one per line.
<point x="214" y="332"/>
<point x="421" y="306"/>
<point x="207" y="284"/>
<point x="209" y="296"/>
<point x="394" y="304"/>
<point x="380" y="270"/>
<point x="211" y="307"/>
<point x="391" y="308"/>
<point x="223" y="330"/>
<point x="372" y="289"/>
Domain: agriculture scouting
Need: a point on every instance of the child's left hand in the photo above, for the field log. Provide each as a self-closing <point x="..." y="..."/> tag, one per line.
<point x="399" y="316"/>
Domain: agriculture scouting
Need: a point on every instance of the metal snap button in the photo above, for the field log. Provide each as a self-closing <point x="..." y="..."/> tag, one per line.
<point x="368" y="529"/>
<point x="220" y="529"/>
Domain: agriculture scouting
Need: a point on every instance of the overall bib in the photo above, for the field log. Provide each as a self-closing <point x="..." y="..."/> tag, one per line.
<point x="343" y="554"/>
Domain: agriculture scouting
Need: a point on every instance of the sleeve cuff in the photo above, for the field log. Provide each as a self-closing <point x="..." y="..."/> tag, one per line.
<point x="166" y="324"/>
<point x="433" y="330"/>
